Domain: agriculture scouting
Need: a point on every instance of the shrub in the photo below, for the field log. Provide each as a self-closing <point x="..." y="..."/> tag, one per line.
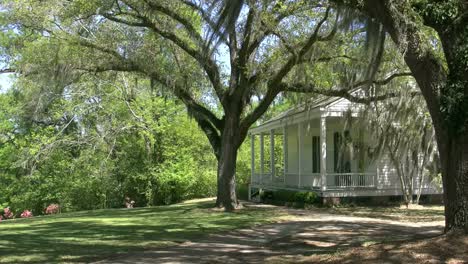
<point x="26" y="214"/>
<point x="52" y="209"/>
<point x="7" y="213"/>
<point x="291" y="198"/>
<point x="306" y="197"/>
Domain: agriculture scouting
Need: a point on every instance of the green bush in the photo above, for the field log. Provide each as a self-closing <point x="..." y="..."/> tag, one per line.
<point x="242" y="191"/>
<point x="167" y="161"/>
<point x="306" y="197"/>
<point x="293" y="198"/>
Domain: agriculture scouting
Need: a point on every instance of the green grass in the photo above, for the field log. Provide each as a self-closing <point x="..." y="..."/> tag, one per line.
<point x="93" y="235"/>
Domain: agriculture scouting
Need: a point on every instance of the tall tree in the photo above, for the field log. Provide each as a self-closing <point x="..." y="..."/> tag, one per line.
<point x="442" y="79"/>
<point x="170" y="42"/>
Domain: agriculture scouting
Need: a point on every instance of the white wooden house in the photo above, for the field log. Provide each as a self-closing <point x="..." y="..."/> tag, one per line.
<point x="305" y="149"/>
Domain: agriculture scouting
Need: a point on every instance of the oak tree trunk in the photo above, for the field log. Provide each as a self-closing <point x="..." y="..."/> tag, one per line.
<point x="454" y="159"/>
<point x="230" y="142"/>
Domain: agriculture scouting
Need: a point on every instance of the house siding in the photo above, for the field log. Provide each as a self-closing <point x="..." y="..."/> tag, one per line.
<point x="387" y="174"/>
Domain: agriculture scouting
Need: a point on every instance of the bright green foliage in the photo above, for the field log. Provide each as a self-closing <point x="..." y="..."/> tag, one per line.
<point x="449" y="19"/>
<point x="89" y="150"/>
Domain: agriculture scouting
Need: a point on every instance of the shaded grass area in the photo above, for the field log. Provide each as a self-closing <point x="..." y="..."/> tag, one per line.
<point x="441" y="249"/>
<point x="425" y="213"/>
<point x="93" y="235"/>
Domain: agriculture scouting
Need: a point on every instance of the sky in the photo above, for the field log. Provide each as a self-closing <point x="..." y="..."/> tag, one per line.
<point x="5" y="82"/>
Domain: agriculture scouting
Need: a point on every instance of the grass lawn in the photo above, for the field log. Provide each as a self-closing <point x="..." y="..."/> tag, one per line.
<point x="93" y="235"/>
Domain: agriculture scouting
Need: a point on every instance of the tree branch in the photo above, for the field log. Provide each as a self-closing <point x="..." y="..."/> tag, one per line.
<point x="126" y="65"/>
<point x="260" y="109"/>
<point x="195" y="107"/>
<point x="381" y="82"/>
<point x="294" y="59"/>
<point x="251" y="47"/>
<point x="205" y="17"/>
<point x="207" y="63"/>
<point x="208" y="122"/>
<point x="343" y="93"/>
<point x="7" y="70"/>
<point x="170" y="13"/>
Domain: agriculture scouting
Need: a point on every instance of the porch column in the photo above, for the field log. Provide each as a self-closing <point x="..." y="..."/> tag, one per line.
<point x="299" y="150"/>
<point x="323" y="151"/>
<point x="262" y="169"/>
<point x="272" y="154"/>
<point x="252" y="155"/>
<point x="285" y="151"/>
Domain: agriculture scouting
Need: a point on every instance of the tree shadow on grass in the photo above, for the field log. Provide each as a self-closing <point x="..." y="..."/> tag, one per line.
<point x="279" y="241"/>
<point x="85" y="236"/>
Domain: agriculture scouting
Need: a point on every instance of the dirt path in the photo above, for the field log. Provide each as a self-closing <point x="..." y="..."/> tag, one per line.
<point x="305" y="233"/>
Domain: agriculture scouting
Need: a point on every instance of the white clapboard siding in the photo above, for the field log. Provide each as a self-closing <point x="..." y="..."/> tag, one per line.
<point x="388" y="176"/>
<point x="293" y="153"/>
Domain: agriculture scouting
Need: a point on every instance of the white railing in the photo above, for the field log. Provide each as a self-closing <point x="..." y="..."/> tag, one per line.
<point x="346" y="180"/>
<point x="314" y="180"/>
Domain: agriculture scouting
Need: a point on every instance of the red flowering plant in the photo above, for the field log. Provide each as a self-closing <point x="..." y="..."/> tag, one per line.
<point x="52" y="209"/>
<point x="7" y="213"/>
<point x="26" y="214"/>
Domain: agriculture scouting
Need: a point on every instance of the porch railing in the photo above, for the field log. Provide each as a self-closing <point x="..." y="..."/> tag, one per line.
<point x="346" y="180"/>
<point x="313" y="180"/>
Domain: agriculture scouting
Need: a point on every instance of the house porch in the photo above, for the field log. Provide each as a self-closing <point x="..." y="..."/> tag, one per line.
<point x="298" y="153"/>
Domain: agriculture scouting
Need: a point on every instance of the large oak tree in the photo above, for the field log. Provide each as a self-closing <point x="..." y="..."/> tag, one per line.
<point x="271" y="49"/>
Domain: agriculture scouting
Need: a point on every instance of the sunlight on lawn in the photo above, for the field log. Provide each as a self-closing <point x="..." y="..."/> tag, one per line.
<point x="92" y="235"/>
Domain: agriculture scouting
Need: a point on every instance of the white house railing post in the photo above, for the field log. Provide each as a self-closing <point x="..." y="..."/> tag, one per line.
<point x="262" y="153"/>
<point x="323" y="151"/>
<point x="285" y="152"/>
<point x="272" y="155"/>
<point x="299" y="141"/>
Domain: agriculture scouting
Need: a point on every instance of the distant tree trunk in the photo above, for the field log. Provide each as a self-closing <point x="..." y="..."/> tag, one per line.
<point x="428" y="155"/>
<point x="420" y="173"/>
<point x="401" y="174"/>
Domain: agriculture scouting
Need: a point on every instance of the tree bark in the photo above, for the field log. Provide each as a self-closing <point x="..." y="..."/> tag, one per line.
<point x="454" y="159"/>
<point x="230" y="142"/>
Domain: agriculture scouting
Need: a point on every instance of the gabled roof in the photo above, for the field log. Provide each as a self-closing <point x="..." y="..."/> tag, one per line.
<point x="313" y="106"/>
